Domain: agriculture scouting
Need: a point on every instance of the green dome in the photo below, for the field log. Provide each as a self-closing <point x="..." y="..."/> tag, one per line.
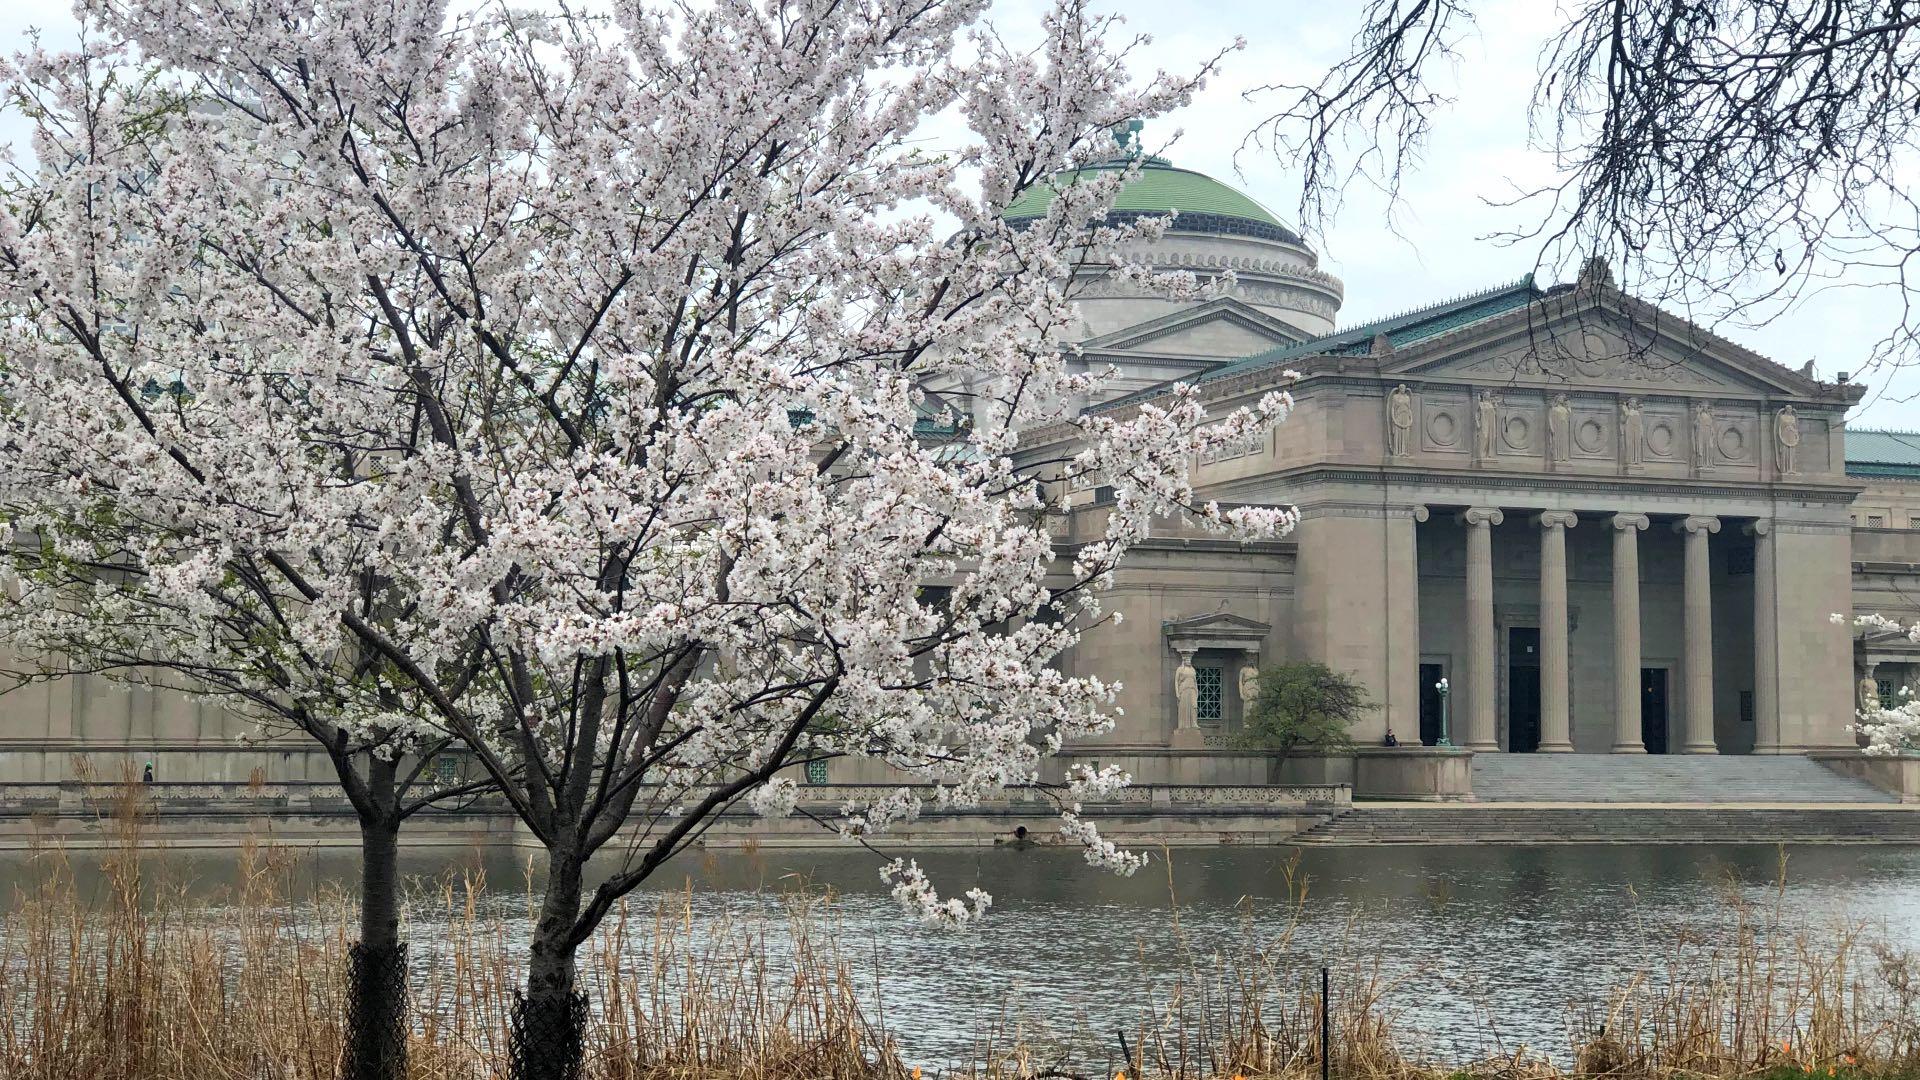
<point x="1206" y="205"/>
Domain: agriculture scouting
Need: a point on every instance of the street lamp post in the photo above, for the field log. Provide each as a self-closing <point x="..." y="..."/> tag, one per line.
<point x="1443" y="688"/>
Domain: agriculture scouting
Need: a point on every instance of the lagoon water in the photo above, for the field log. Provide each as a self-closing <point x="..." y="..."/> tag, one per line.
<point x="1482" y="948"/>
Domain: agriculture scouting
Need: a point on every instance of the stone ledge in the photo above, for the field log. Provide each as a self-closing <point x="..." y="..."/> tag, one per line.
<point x="1898" y="775"/>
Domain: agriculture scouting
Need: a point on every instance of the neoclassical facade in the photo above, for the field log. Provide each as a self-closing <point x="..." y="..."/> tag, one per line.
<point x="1606" y="529"/>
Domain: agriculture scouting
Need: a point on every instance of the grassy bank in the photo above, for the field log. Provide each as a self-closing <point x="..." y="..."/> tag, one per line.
<point x="137" y="981"/>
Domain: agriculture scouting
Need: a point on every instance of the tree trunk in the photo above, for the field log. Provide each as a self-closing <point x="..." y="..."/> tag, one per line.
<point x="377" y="990"/>
<point x="549" y="1020"/>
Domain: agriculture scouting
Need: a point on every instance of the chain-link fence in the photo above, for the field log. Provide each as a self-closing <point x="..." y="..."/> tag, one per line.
<point x="376" y="1014"/>
<point x="549" y="1037"/>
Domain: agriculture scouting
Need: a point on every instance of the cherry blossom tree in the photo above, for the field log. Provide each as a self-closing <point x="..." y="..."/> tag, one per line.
<point x="1894" y="728"/>
<point x="604" y="392"/>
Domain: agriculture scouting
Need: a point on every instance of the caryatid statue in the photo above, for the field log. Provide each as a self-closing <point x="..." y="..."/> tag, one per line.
<point x="1249" y="688"/>
<point x="1786" y="436"/>
<point x="1186" y="691"/>
<point x="1399" y="420"/>
<point x="1486" y="416"/>
<point x="1633" y="433"/>
<point x="1703" y="435"/>
<point x="1869" y="695"/>
<point x="1559" y="420"/>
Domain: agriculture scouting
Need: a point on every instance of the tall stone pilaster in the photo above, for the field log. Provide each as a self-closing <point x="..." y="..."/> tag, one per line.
<point x="1626" y="633"/>
<point x="1766" y="642"/>
<point x="1698" y="605"/>
<point x="1556" y="732"/>
<point x="1482" y="731"/>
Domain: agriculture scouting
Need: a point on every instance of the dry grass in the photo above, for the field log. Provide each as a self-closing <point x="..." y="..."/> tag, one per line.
<point x="140" y="984"/>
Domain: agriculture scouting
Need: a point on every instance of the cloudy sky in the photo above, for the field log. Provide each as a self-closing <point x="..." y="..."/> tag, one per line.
<point x="1433" y="245"/>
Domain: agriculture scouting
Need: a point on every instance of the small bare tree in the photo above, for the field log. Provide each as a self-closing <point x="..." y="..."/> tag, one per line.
<point x="1726" y="156"/>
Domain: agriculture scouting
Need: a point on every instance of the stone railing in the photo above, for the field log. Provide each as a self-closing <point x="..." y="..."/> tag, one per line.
<point x="212" y="797"/>
<point x="323" y="798"/>
<point x="1140" y="795"/>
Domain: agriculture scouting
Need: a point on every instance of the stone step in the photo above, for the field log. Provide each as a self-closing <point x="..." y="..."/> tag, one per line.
<point x="1673" y="825"/>
<point x="1643" y="778"/>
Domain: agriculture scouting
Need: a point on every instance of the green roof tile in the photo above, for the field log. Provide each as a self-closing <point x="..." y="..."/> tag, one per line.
<point x="1877" y="453"/>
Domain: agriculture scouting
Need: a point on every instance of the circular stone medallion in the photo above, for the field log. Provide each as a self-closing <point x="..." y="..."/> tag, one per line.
<point x="1516" y="432"/>
<point x="1590" y="437"/>
<point x="1441" y="429"/>
<point x="1733" y="445"/>
<point x="1660" y="439"/>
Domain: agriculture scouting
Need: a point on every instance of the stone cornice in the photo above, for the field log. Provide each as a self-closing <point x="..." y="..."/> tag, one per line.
<point x="1418" y="478"/>
<point x="1878" y="566"/>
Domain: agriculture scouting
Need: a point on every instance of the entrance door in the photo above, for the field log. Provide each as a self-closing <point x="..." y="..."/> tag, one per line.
<point x="1523" y="689"/>
<point x="1430" y="704"/>
<point x="1653" y="709"/>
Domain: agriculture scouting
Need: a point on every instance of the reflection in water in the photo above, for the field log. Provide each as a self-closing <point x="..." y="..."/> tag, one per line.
<point x="1481" y="944"/>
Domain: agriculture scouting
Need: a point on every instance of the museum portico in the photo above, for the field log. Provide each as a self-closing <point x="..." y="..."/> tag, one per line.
<point x="1606" y="530"/>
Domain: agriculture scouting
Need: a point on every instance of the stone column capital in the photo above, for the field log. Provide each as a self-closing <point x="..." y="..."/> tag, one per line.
<point x="1482" y="515"/>
<point x="1420" y="513"/>
<point x="1630" y="521"/>
<point x="1560" y="519"/>
<point x="1757" y="527"/>
<point x="1694" y="523"/>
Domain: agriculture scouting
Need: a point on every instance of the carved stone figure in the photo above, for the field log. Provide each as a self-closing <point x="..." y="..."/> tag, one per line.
<point x="1559" y="425"/>
<point x="1486" y="417"/>
<point x="1633" y="435"/>
<point x="1249" y="687"/>
<point x="1703" y="435"/>
<point x="1786" y="436"/>
<point x="1399" y="420"/>
<point x="1186" y="690"/>
<point x="1869" y="695"/>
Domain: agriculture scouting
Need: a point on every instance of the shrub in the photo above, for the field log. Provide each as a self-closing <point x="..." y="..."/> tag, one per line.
<point x="1303" y="705"/>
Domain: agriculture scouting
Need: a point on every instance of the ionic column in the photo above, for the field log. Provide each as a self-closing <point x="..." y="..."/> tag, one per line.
<point x="1626" y="633"/>
<point x="1482" y="734"/>
<point x="1766" y="642"/>
<point x="1556" y="735"/>
<point x="1699" y="634"/>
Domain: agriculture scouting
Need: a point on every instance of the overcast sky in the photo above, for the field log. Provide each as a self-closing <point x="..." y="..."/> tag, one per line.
<point x="1433" y="248"/>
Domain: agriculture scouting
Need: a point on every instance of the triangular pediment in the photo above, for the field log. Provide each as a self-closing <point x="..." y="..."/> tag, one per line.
<point x="1222" y="327"/>
<point x="1218" y="622"/>
<point x="1603" y="340"/>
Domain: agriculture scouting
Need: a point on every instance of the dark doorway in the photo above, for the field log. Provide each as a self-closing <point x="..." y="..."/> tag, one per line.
<point x="1523" y="689"/>
<point x="1653" y="709"/>
<point x="1430" y="704"/>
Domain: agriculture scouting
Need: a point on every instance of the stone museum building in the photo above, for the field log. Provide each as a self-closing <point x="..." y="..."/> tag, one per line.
<point x="1604" y="529"/>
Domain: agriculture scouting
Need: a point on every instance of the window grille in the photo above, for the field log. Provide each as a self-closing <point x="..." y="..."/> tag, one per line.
<point x="816" y="772"/>
<point x="1209" y="680"/>
<point x="1885" y="686"/>
<point x="446" y="769"/>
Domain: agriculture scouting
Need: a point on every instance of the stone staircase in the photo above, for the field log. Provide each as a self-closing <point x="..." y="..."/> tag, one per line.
<point x="1664" y="778"/>
<point x="1638" y="799"/>
<point x="1493" y="823"/>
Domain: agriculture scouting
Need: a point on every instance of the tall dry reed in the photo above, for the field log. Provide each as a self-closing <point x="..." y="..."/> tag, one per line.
<point x="140" y="983"/>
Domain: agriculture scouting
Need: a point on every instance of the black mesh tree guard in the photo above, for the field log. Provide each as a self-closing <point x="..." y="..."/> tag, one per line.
<point x="549" y="1037"/>
<point x="376" y="1014"/>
